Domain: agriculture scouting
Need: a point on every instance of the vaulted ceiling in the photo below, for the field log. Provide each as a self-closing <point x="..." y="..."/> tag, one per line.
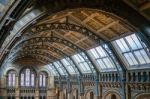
<point x="64" y="33"/>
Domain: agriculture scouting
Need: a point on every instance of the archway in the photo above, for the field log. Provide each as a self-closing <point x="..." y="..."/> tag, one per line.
<point x="111" y="95"/>
<point x="143" y="96"/>
<point x="90" y="95"/>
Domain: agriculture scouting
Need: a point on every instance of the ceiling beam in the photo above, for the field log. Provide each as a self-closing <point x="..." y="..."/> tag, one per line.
<point x="145" y="6"/>
<point x="66" y="26"/>
<point x="34" y="56"/>
<point x="85" y="25"/>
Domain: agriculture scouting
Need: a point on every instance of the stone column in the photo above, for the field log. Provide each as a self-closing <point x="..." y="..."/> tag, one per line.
<point x="81" y="96"/>
<point x="17" y="88"/>
<point x="69" y="94"/>
<point x="51" y="91"/>
<point x="61" y="95"/>
<point x="128" y="91"/>
<point x="100" y="91"/>
<point x="51" y="94"/>
<point x="97" y="88"/>
<point x="37" y="88"/>
<point x="4" y="85"/>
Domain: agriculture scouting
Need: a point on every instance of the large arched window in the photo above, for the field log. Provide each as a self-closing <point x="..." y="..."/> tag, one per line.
<point x="27" y="78"/>
<point x="42" y="79"/>
<point x="11" y="78"/>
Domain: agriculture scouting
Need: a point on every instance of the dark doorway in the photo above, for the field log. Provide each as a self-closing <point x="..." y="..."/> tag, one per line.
<point x="113" y="96"/>
<point x="91" y="95"/>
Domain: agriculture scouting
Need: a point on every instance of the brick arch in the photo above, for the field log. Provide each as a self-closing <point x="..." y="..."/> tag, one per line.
<point x="34" y="69"/>
<point x="11" y="69"/>
<point x="109" y="95"/>
<point x="142" y="96"/>
<point x="89" y="94"/>
<point x="48" y="73"/>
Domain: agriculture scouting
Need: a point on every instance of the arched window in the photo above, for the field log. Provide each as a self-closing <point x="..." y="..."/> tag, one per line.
<point x="27" y="78"/>
<point x="11" y="78"/>
<point x="42" y="79"/>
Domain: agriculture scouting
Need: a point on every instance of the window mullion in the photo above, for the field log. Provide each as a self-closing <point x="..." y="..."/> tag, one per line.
<point x="131" y="50"/>
<point x="11" y="79"/>
<point x="104" y="62"/>
<point x="145" y="48"/>
<point x="42" y="80"/>
<point x="130" y="58"/>
<point x="124" y="45"/>
<point x="148" y="54"/>
<point x="139" y="49"/>
<point x="142" y="56"/>
<point x="135" y="42"/>
<point x="100" y="57"/>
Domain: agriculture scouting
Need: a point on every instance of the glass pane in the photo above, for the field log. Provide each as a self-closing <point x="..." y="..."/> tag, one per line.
<point x="56" y="65"/>
<point x="9" y="79"/>
<point x="93" y="51"/>
<point x="32" y="79"/>
<point x="71" y="69"/>
<point x="68" y="65"/>
<point x="86" y="65"/>
<point x="130" y="58"/>
<point x="131" y="42"/>
<point x="27" y="77"/>
<point x="108" y="63"/>
<point x="40" y="82"/>
<point x="133" y="59"/>
<point x="61" y="71"/>
<point x="82" y="67"/>
<point x="59" y="67"/>
<point x="65" y="62"/>
<point x="44" y="81"/>
<point x="122" y="44"/>
<point x="101" y="51"/>
<point x="80" y="58"/>
<point x="144" y="54"/>
<point x="13" y="82"/>
<point x="101" y="63"/>
<point x="53" y="70"/>
<point x="136" y="40"/>
<point x="22" y="79"/>
<point x="139" y="57"/>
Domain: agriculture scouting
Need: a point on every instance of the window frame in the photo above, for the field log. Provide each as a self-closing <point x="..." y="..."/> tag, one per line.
<point x="27" y="82"/>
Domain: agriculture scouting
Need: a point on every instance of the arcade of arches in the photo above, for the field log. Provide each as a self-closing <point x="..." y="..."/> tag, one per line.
<point x="74" y="49"/>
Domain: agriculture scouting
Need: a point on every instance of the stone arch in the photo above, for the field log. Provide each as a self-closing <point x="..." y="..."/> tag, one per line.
<point x="142" y="96"/>
<point x="11" y="69"/>
<point x="46" y="71"/>
<point x="112" y="95"/>
<point x="43" y="74"/>
<point x="30" y="67"/>
<point x="90" y="94"/>
<point x="32" y="72"/>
